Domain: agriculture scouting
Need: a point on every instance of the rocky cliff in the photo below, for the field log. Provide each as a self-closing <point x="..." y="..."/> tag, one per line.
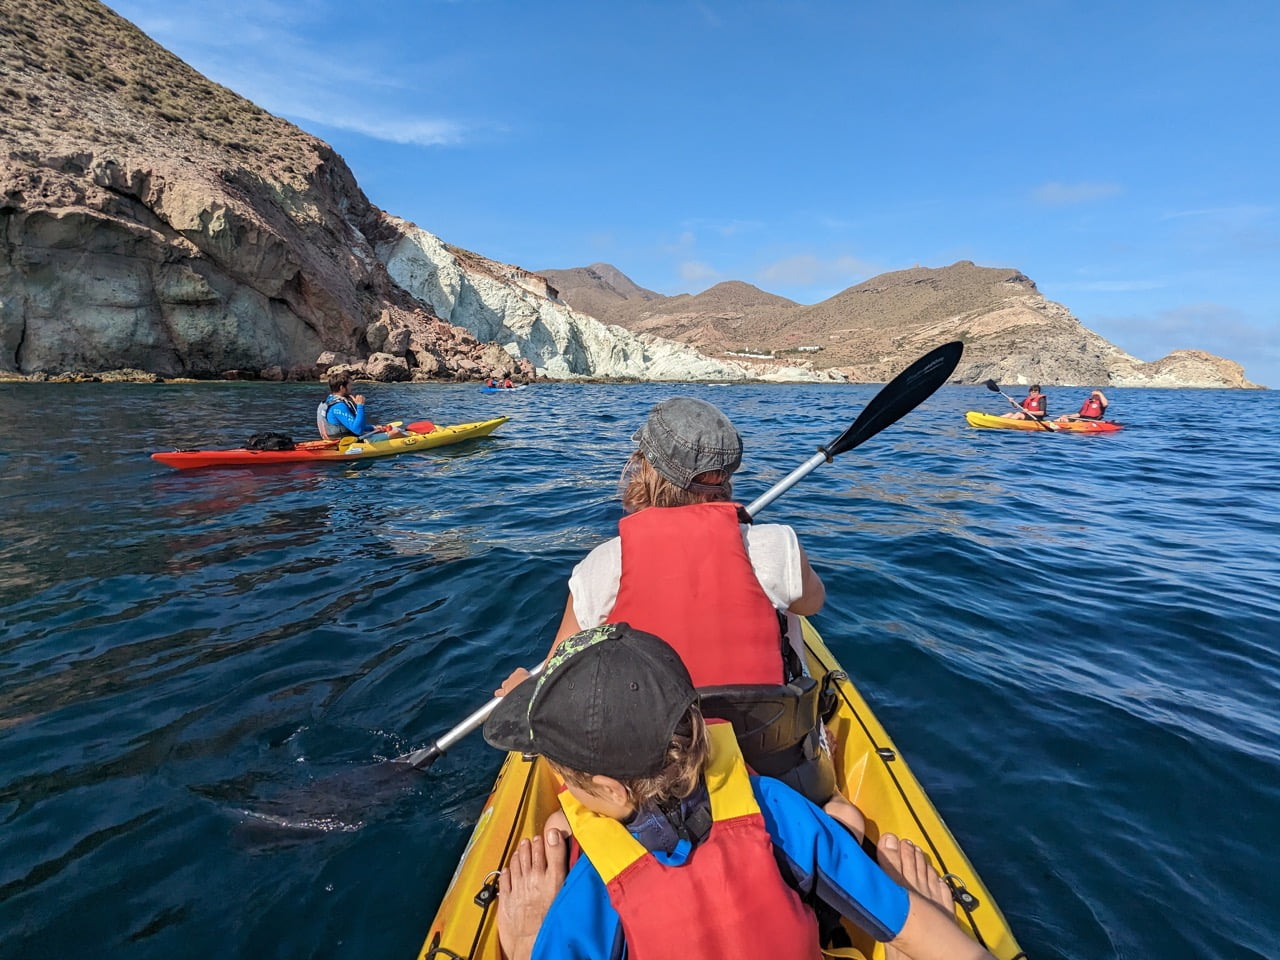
<point x="1011" y="332"/>
<point x="523" y="312"/>
<point x="151" y="219"/>
<point x="154" y="221"/>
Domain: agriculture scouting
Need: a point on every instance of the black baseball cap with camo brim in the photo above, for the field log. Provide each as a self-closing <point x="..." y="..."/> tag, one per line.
<point x="608" y="702"/>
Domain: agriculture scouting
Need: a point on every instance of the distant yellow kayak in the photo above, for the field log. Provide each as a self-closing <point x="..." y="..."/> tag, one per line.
<point x="871" y="773"/>
<point x="990" y="421"/>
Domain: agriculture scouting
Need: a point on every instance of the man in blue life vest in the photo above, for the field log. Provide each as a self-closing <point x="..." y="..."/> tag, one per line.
<point x="684" y="853"/>
<point x="1093" y="408"/>
<point x="1034" y="407"/>
<point x="342" y="414"/>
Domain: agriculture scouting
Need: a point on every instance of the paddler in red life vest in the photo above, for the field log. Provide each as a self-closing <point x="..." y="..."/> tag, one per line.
<point x="684" y="853"/>
<point x="1093" y="408"/>
<point x="507" y="384"/>
<point x="726" y="594"/>
<point x="1034" y="407"/>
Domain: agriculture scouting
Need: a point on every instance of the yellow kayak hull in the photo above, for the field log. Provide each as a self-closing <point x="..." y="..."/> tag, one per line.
<point x="871" y="772"/>
<point x="330" y="451"/>
<point x="989" y="421"/>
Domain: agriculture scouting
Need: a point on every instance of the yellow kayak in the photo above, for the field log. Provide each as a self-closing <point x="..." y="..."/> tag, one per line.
<point x="331" y="451"/>
<point x="871" y="772"/>
<point x="990" y="421"/>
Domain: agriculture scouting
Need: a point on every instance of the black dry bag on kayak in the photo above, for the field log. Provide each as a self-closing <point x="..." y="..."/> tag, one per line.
<point x="269" y="441"/>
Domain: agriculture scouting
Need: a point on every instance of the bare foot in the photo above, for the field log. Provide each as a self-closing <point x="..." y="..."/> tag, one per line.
<point x="558" y="821"/>
<point x="908" y="865"/>
<point x="840" y="809"/>
<point x="526" y="889"/>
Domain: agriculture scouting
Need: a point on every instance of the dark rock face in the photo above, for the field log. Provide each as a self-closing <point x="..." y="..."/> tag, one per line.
<point x="151" y="219"/>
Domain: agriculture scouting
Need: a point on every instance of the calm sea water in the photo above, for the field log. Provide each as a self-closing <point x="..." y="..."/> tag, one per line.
<point x="1072" y="639"/>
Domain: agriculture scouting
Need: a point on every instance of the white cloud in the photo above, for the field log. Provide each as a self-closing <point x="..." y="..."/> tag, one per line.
<point x="1113" y="286"/>
<point x="1058" y="194"/>
<point x="261" y="51"/>
<point x="1240" y="213"/>
<point x="696" y="271"/>
<point x="1216" y="328"/>
<point x="725" y="228"/>
<point x="807" y="270"/>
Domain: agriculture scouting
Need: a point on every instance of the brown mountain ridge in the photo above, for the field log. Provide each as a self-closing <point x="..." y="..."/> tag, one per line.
<point x="1010" y="331"/>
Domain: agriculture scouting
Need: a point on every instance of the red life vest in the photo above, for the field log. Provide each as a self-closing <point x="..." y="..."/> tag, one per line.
<point x="1091" y="408"/>
<point x="1035" y="403"/>
<point x="687" y="578"/>
<point x="725" y="901"/>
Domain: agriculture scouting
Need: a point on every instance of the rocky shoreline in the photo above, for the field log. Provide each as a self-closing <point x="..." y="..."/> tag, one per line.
<point x="159" y="227"/>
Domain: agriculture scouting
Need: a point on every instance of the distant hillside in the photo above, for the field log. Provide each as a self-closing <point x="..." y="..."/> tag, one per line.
<point x="157" y="223"/>
<point x="1011" y="332"/>
<point x="600" y="290"/>
<point x="718" y="319"/>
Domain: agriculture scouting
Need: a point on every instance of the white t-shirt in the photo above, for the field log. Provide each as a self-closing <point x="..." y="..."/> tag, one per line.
<point x="775" y="557"/>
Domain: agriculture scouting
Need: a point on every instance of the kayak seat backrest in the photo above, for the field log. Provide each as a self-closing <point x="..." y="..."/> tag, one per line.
<point x="779" y="729"/>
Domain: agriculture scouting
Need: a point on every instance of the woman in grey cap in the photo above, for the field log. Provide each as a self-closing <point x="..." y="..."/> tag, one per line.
<point x="722" y="592"/>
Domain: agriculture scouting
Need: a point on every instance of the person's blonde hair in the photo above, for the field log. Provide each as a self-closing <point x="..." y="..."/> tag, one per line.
<point x="687" y="754"/>
<point x="643" y="486"/>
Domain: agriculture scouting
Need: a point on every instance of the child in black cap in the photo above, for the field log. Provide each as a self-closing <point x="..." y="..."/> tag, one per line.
<point x="684" y="853"/>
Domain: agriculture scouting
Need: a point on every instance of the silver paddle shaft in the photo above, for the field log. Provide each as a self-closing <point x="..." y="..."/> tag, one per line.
<point x="787" y="482"/>
<point x="473" y="720"/>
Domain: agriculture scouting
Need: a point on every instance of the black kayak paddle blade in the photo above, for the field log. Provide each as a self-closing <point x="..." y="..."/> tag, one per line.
<point x="903" y="394"/>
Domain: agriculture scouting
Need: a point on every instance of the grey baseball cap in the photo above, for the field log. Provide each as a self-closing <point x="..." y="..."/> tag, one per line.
<point x="684" y="437"/>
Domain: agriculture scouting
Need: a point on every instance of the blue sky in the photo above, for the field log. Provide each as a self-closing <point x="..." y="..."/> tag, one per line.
<point x="1125" y="156"/>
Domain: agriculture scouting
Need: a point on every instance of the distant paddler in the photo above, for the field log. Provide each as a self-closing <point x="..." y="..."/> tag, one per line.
<point x="342" y="414"/>
<point x="1093" y="408"/>
<point x="1034" y="407"/>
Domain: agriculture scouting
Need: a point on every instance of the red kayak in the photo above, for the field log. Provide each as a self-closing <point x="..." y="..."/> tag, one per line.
<point x="331" y="451"/>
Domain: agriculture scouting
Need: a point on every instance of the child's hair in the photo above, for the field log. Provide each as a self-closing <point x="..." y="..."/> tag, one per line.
<point x="687" y="754"/>
<point x="340" y="379"/>
<point x="643" y="486"/>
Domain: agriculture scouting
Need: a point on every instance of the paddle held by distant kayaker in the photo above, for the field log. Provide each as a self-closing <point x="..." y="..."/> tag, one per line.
<point x="1034" y="407"/>
<point x="724" y="593"/>
<point x="685" y="853"/>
